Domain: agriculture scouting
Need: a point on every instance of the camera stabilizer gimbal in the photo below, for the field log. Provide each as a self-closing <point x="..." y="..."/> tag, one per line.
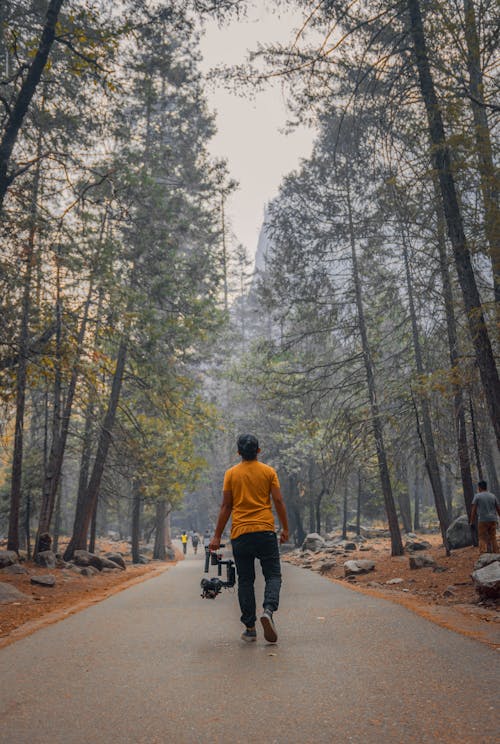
<point x="210" y="588"/>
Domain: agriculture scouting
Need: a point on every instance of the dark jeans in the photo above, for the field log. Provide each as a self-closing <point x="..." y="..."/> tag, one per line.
<point x="246" y="548"/>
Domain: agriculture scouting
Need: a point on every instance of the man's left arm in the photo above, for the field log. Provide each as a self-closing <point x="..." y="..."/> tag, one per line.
<point x="224" y="514"/>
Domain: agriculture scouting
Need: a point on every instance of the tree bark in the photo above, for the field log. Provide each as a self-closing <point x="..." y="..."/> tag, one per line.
<point x="60" y="431"/>
<point x="358" y="505"/>
<point x="441" y="158"/>
<point x="85" y="508"/>
<point x="486" y="166"/>
<point x="344" y="511"/>
<point x="429" y="451"/>
<point x="136" y="523"/>
<point x="27" y="91"/>
<point x="454" y="352"/>
<point x="159" y="552"/>
<point x="22" y="368"/>
<point x="385" y="480"/>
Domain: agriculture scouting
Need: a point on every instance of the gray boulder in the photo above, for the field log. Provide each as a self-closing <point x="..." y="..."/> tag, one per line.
<point x="44" y="580"/>
<point x="110" y="564"/>
<point x="327" y="566"/>
<point x="422" y="561"/>
<point x="459" y="534"/>
<point x="88" y="571"/>
<point x="9" y="593"/>
<point x="84" y="558"/>
<point x="47" y="559"/>
<point x="348" y="545"/>
<point x="361" y="566"/>
<point x="485" y="559"/>
<point x="8" y="558"/>
<point x="143" y="559"/>
<point x="170" y="554"/>
<point x="313" y="542"/>
<point x="116" y="558"/>
<point x="15" y="569"/>
<point x="415" y="545"/>
<point x="487" y="581"/>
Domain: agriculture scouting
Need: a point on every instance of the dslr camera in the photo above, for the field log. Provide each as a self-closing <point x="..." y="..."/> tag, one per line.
<point x="211" y="587"/>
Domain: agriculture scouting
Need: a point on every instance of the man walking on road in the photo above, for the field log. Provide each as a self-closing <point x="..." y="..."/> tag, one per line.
<point x="485" y="505"/>
<point x="247" y="491"/>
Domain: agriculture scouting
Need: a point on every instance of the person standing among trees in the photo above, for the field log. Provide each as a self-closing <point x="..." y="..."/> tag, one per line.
<point x="485" y="505"/>
<point x="247" y="491"/>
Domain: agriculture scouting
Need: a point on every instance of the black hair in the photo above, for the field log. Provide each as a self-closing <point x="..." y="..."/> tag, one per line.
<point x="482" y="485"/>
<point x="248" y="446"/>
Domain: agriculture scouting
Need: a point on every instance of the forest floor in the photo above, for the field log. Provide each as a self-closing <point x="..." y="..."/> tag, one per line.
<point x="446" y="597"/>
<point x="71" y="593"/>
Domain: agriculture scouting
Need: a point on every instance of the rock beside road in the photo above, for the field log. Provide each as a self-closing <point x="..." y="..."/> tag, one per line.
<point x="313" y="542"/>
<point x="9" y="593"/>
<point x="110" y="564"/>
<point x="85" y="559"/>
<point x="487" y="581"/>
<point x="116" y="558"/>
<point x="361" y="566"/>
<point x="14" y="570"/>
<point x="416" y="545"/>
<point x="8" y="558"/>
<point x="44" y="580"/>
<point x="459" y="534"/>
<point x="422" y="561"/>
<point x="46" y="559"/>
<point x="485" y="559"/>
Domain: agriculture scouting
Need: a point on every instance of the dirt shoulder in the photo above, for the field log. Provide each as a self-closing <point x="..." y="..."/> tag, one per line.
<point x="72" y="592"/>
<point x="446" y="597"/>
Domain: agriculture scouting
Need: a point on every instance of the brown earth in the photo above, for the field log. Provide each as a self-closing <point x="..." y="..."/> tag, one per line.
<point x="71" y="593"/>
<point x="447" y="598"/>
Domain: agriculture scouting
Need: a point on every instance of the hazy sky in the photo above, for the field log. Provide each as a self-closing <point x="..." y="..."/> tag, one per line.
<point x="249" y="135"/>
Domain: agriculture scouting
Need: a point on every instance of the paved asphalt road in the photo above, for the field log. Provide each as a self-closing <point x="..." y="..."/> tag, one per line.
<point x="156" y="664"/>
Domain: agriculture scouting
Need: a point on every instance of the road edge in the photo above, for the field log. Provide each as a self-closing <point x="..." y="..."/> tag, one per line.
<point x="32" y="626"/>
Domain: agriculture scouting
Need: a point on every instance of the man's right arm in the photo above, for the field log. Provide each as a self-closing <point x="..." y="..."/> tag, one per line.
<point x="281" y="511"/>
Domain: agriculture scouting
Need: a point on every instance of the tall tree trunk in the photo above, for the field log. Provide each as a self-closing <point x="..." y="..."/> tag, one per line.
<point x="61" y="428"/>
<point x="442" y="163"/>
<point x="159" y="552"/>
<point x="135" y="530"/>
<point x="86" y="507"/>
<point x="93" y="527"/>
<point x="344" y="510"/>
<point x="358" y="505"/>
<point x="20" y="107"/>
<point x="475" y="440"/>
<point x="22" y="368"/>
<point x="429" y="449"/>
<point x="168" y="531"/>
<point x="489" y="462"/>
<point x="487" y="171"/>
<point x="416" y="513"/>
<point x="57" y="517"/>
<point x="385" y="480"/>
<point x="454" y="352"/>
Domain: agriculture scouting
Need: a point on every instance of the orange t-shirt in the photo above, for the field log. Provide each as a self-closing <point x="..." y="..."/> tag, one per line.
<point x="250" y="483"/>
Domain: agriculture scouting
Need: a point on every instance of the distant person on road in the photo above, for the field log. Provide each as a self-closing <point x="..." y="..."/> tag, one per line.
<point x="486" y="506"/>
<point x="206" y="539"/>
<point x="195" y="541"/>
<point x="247" y="491"/>
<point x="184" y="541"/>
